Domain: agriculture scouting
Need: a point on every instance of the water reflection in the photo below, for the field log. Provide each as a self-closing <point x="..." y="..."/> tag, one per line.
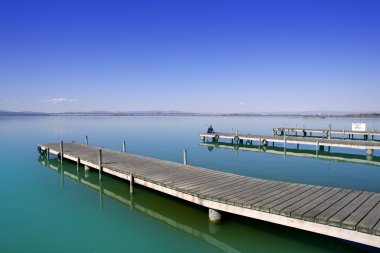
<point x="235" y="234"/>
<point x="321" y="153"/>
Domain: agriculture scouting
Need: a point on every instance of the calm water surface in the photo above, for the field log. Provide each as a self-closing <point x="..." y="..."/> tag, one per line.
<point x="46" y="208"/>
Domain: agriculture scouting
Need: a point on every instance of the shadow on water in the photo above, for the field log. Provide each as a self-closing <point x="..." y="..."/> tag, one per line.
<point x="321" y="153"/>
<point x="234" y="234"/>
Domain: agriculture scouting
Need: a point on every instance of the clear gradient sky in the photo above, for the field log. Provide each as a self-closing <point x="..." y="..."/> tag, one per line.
<point x="189" y="55"/>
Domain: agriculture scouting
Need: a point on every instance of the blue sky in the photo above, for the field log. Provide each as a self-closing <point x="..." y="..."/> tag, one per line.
<point x="195" y="56"/>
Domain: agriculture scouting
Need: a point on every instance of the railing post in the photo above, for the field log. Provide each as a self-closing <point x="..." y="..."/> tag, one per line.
<point x="100" y="164"/>
<point x="124" y="147"/>
<point x="61" y="145"/>
<point x="184" y="156"/>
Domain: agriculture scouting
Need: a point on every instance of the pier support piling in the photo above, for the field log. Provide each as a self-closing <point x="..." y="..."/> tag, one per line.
<point x="78" y="161"/>
<point x="86" y="139"/>
<point x="131" y="183"/>
<point x="214" y="215"/>
<point x="124" y="150"/>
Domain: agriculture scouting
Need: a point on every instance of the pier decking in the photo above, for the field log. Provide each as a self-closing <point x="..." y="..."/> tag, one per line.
<point x="342" y="213"/>
<point x="325" y="133"/>
<point x="317" y="142"/>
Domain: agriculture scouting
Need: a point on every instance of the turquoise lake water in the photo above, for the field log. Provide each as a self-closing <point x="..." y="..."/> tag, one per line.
<point x="44" y="208"/>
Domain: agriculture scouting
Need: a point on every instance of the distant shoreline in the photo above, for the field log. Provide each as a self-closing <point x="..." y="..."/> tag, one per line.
<point x="169" y="114"/>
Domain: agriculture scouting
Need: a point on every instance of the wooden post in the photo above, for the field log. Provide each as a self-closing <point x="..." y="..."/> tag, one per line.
<point x="47" y="153"/>
<point x="184" y="156"/>
<point x="131" y="183"/>
<point x="61" y="151"/>
<point x="329" y="134"/>
<point x="100" y="164"/>
<point x="316" y="149"/>
<point x="86" y="140"/>
<point x="237" y="132"/>
<point x="260" y="144"/>
<point x="123" y="146"/>
<point x="78" y="163"/>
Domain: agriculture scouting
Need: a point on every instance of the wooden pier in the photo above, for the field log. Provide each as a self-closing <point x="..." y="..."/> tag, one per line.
<point x="325" y="133"/>
<point x="342" y="213"/>
<point x="264" y="140"/>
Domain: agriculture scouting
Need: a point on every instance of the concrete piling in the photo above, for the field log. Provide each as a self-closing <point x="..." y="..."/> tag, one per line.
<point x="214" y="215"/>
<point x="131" y="183"/>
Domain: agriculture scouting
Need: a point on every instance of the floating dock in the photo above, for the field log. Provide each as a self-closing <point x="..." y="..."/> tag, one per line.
<point x="325" y="133"/>
<point x="319" y="143"/>
<point x="342" y="213"/>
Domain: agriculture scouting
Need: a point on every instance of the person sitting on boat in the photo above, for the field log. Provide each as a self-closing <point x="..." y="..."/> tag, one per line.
<point x="210" y="130"/>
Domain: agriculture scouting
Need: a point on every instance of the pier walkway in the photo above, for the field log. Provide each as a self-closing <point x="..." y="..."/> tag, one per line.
<point x="325" y="133"/>
<point x="342" y="213"/>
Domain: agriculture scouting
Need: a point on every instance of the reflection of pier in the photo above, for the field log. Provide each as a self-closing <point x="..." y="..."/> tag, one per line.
<point x="320" y="154"/>
<point x="112" y="192"/>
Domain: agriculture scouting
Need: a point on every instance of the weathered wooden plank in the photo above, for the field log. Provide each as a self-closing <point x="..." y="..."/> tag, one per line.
<point x="312" y="213"/>
<point x="246" y="201"/>
<point x="217" y="184"/>
<point x="376" y="229"/>
<point x="263" y="205"/>
<point x="351" y="221"/>
<point x="252" y="203"/>
<point x="234" y="199"/>
<point x="298" y="212"/>
<point x="239" y="189"/>
<point x="370" y="220"/>
<point x="313" y="208"/>
<point x="337" y="219"/>
<point x="278" y="205"/>
<point x="286" y="211"/>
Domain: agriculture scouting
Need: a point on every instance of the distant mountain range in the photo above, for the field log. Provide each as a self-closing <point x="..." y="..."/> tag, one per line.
<point x="178" y="113"/>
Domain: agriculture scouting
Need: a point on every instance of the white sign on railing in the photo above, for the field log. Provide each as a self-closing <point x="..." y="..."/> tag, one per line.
<point x="360" y="127"/>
